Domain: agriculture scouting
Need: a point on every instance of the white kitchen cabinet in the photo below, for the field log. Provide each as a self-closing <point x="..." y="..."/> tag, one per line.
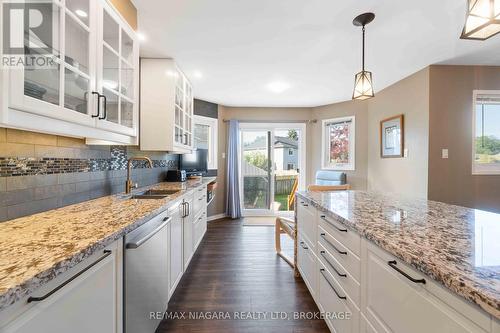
<point x="69" y="97"/>
<point x="394" y="303"/>
<point x="87" y="298"/>
<point x="176" y="266"/>
<point x="166" y="107"/>
<point x="307" y="264"/>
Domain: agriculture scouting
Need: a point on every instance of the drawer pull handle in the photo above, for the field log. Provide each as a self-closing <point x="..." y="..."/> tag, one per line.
<point x="331" y="244"/>
<point x="329" y="263"/>
<point x="331" y="286"/>
<point x="302" y="245"/>
<point x="332" y="224"/>
<point x="393" y="264"/>
<point x="62" y="285"/>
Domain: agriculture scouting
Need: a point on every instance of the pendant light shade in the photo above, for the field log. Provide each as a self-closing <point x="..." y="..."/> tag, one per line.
<point x="363" y="81"/>
<point x="482" y="20"/>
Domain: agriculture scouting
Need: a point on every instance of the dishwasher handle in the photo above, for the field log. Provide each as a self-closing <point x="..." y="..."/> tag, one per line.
<point x="135" y="244"/>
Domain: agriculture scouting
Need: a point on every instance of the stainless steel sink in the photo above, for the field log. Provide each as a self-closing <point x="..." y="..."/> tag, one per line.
<point x="154" y="194"/>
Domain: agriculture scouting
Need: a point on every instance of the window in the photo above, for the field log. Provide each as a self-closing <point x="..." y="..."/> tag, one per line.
<point x="338" y="146"/>
<point x="205" y="137"/>
<point x="290" y="151"/>
<point x="486" y="133"/>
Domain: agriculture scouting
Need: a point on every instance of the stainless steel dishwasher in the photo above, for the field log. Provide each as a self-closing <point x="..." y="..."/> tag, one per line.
<point x="146" y="275"/>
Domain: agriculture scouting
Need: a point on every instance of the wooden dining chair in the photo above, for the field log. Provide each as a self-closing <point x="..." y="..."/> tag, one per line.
<point x="285" y="226"/>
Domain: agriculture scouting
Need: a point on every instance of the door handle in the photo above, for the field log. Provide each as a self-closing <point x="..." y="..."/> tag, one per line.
<point x="331" y="244"/>
<point x="136" y="244"/>
<point x="323" y="217"/>
<point x="329" y="263"/>
<point x="331" y="286"/>
<point x="105" y="105"/>
<point x="62" y="285"/>
<point x="98" y="104"/>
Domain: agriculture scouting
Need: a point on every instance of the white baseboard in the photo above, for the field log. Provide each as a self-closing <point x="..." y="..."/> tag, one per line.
<point x="216" y="217"/>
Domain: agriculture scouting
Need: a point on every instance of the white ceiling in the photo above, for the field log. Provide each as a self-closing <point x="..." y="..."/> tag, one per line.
<point x="232" y="49"/>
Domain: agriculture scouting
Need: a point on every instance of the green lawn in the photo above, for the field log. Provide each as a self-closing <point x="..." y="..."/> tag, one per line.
<point x="283" y="200"/>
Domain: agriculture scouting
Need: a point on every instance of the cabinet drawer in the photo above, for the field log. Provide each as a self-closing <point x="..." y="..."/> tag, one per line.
<point x="343" y="255"/>
<point x="341" y="315"/>
<point x="199" y="228"/>
<point x="307" y="262"/>
<point x="306" y="222"/>
<point x="346" y="237"/>
<point x="343" y="276"/>
<point x="200" y="200"/>
<point x="397" y="300"/>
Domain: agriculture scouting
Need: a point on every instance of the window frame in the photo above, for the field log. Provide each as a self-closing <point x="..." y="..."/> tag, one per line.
<point x="325" y="145"/>
<point x="476" y="168"/>
<point x="213" y="136"/>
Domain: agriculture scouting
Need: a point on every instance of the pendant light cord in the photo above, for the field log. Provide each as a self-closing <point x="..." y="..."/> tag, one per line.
<point x="363" y="52"/>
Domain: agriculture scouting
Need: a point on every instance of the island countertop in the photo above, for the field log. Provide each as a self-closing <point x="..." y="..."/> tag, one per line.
<point x="456" y="246"/>
<point x="37" y="248"/>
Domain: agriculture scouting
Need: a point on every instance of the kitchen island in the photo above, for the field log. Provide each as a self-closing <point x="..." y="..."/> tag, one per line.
<point x="443" y="255"/>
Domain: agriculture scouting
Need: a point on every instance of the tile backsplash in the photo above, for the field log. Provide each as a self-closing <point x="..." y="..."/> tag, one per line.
<point x="39" y="172"/>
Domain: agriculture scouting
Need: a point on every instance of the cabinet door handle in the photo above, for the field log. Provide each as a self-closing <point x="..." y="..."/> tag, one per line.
<point x="323" y="217"/>
<point x="189" y="209"/>
<point x="322" y="270"/>
<point x="331" y="265"/>
<point x="135" y="244"/>
<point x="98" y="104"/>
<point x="304" y="204"/>
<point x="183" y="209"/>
<point x="105" y="113"/>
<point x="331" y="244"/>
<point x="302" y="245"/>
<point x="393" y="264"/>
<point x="62" y="285"/>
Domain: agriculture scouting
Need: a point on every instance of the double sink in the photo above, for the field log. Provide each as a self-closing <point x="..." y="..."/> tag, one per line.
<point x="154" y="194"/>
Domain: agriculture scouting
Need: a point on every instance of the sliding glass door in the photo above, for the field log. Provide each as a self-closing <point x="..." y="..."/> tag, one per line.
<point x="271" y="167"/>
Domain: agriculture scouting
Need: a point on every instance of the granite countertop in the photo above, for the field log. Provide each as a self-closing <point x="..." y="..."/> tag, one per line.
<point x="456" y="246"/>
<point x="39" y="247"/>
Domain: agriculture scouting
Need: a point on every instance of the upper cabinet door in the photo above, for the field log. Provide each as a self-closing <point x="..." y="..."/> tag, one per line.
<point x="183" y="133"/>
<point x="117" y="73"/>
<point x="61" y="86"/>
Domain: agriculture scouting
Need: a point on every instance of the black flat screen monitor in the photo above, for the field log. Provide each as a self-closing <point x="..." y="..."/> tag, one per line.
<point x="195" y="162"/>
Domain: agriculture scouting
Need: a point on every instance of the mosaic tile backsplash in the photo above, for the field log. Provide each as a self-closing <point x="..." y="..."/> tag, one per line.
<point x="40" y="172"/>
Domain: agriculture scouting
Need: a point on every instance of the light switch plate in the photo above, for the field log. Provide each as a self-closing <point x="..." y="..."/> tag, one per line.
<point x="405" y="152"/>
<point x="444" y="153"/>
<point x="223" y="155"/>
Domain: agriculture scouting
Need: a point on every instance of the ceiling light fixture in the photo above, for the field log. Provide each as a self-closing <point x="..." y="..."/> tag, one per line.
<point x="81" y="13"/>
<point x="278" y="86"/>
<point x="141" y="36"/>
<point x="363" y="84"/>
<point x="197" y="74"/>
<point x="482" y="20"/>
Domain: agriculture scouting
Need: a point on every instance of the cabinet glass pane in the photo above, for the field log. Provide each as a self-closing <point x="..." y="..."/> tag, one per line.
<point x="111" y="106"/>
<point x="127" y="80"/>
<point x="127" y="110"/>
<point x="45" y="36"/>
<point x="77" y="45"/>
<point x="80" y="8"/>
<point x="178" y="114"/>
<point x="111" y="31"/>
<point x="42" y="84"/>
<point x="127" y="47"/>
<point x="110" y="69"/>
<point x="76" y="88"/>
<point x="177" y="134"/>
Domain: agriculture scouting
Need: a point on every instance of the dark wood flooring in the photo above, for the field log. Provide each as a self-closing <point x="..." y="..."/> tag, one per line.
<point x="236" y="269"/>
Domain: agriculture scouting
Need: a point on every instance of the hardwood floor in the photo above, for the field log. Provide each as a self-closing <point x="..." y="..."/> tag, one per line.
<point x="236" y="271"/>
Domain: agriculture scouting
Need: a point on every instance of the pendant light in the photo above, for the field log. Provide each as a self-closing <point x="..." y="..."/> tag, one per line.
<point x="363" y="83"/>
<point x="482" y="20"/>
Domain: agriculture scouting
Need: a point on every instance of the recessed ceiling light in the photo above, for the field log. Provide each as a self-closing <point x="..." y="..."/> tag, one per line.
<point x="81" y="13"/>
<point x="278" y="86"/>
<point x="141" y="36"/>
<point x="197" y="74"/>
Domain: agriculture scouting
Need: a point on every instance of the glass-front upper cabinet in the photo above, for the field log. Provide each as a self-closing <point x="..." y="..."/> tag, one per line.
<point x="117" y="74"/>
<point x="59" y="77"/>
<point x="183" y="133"/>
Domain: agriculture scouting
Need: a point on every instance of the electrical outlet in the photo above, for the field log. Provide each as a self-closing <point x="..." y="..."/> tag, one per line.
<point x="444" y="153"/>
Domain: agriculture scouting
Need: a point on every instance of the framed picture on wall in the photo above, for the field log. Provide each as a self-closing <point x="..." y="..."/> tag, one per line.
<point x="392" y="137"/>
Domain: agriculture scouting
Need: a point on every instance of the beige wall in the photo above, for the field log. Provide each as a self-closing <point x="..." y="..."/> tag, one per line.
<point x="408" y="175"/>
<point x="127" y="10"/>
<point x="358" y="177"/>
<point x="451" y="180"/>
